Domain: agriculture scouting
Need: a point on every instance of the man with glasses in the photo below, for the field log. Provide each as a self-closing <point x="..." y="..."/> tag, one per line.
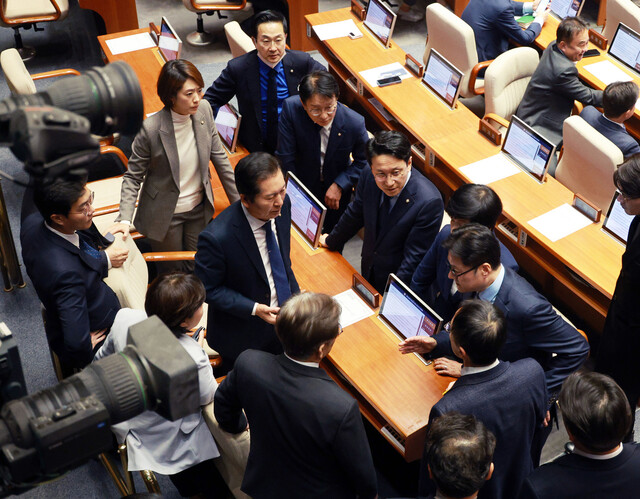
<point x="66" y="259"/>
<point x="400" y="210"/>
<point x="322" y="142"/>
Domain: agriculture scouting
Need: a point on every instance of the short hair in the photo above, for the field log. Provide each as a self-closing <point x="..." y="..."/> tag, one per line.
<point x="306" y="321"/>
<point x="481" y="329"/>
<point x="174" y="297"/>
<point x="476" y="203"/>
<point x="253" y="169"/>
<point x="474" y="244"/>
<point x="389" y="142"/>
<point x="459" y="450"/>
<point x="318" y="83"/>
<point x="595" y="410"/>
<point x="268" y="16"/>
<point x="619" y="97"/>
<point x="568" y="28"/>
<point x="626" y="178"/>
<point x="57" y="197"/>
<point x="173" y="76"/>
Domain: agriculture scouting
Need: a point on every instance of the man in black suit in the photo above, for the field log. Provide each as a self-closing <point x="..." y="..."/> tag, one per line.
<point x="307" y="436"/>
<point x="597" y="417"/>
<point x="243" y="261"/>
<point x="399" y="208"/>
<point x="261" y="80"/>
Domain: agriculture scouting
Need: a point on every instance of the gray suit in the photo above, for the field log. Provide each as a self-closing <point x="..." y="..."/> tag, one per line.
<point x="549" y="97"/>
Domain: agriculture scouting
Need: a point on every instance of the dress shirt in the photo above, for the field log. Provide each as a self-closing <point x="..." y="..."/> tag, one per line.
<point x="281" y="84"/>
<point x="479" y="369"/>
<point x="75" y="240"/>
<point x="621" y="125"/>
<point x="491" y="292"/>
<point x="308" y="364"/>
<point x="598" y="457"/>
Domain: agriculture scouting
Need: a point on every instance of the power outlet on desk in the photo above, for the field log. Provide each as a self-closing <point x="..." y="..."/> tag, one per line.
<point x="522" y="239"/>
<point x="432" y="160"/>
<point x="360" y="88"/>
<point x="309" y="30"/>
<point x="598" y="40"/>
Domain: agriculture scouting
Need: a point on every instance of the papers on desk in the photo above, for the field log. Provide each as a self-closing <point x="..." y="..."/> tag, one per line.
<point x="395" y="69"/>
<point x="560" y="222"/>
<point x="490" y="169"/>
<point x="336" y="30"/>
<point x="130" y="43"/>
<point x="607" y="72"/>
<point x="354" y="308"/>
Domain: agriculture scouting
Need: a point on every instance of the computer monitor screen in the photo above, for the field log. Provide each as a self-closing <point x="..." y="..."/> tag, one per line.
<point x="566" y="8"/>
<point x="228" y="125"/>
<point x="169" y="42"/>
<point x="307" y="213"/>
<point x="405" y="313"/>
<point x="380" y="20"/>
<point x="528" y="149"/>
<point x="442" y="77"/>
<point x="617" y="222"/>
<point x="625" y="47"/>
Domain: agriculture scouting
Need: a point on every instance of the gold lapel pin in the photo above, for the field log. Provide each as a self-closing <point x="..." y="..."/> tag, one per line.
<point x="202" y="122"/>
<point x="407" y="200"/>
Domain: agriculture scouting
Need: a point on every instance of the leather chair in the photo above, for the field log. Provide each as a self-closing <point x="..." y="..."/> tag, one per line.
<point x="200" y="37"/>
<point x="620" y="11"/>
<point x="587" y="162"/>
<point x="19" y="80"/>
<point x="239" y="42"/>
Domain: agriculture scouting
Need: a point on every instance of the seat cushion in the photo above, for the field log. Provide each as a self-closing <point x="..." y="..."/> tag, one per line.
<point x="16" y="9"/>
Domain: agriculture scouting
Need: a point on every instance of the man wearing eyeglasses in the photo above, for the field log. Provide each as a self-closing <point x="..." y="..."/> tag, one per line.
<point x="400" y="210"/>
<point x="322" y="142"/>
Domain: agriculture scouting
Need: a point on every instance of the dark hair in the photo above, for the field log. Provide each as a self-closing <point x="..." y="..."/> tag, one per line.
<point x="306" y="321"/>
<point x="627" y="177"/>
<point x="174" y="297"/>
<point x="268" y="16"/>
<point x="172" y="77"/>
<point x="57" y="197"/>
<point x="619" y="97"/>
<point x="595" y="410"/>
<point x="318" y="83"/>
<point x="459" y="450"/>
<point x="476" y="203"/>
<point x="474" y="244"/>
<point x="568" y="28"/>
<point x="253" y="169"/>
<point x="480" y="328"/>
<point x="389" y="142"/>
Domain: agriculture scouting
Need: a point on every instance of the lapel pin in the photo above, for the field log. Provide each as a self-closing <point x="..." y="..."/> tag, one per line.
<point x="291" y="71"/>
<point x="407" y="200"/>
<point x="339" y="134"/>
<point x="202" y="122"/>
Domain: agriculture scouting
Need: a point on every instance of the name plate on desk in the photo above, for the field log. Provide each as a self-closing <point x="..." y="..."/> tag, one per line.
<point x="597" y="39"/>
<point x="490" y="132"/>
<point x="357" y="9"/>
<point x="588" y="209"/>
<point x="366" y="291"/>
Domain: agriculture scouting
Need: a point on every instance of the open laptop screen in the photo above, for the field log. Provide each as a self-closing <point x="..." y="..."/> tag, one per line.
<point x="169" y="42"/>
<point x="228" y="125"/>
<point x="617" y="222"/>
<point x="442" y="77"/>
<point x="625" y="47"/>
<point x="380" y="20"/>
<point x="307" y="213"/>
<point x="530" y="150"/>
<point x="566" y="8"/>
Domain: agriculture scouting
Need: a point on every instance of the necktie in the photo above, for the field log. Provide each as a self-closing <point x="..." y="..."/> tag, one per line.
<point x="324" y="142"/>
<point x="272" y="111"/>
<point x="280" y="278"/>
<point x="383" y="214"/>
<point x="88" y="248"/>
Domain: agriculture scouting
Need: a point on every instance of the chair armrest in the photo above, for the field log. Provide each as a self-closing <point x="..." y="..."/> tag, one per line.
<point x="54" y="73"/>
<point x="218" y="6"/>
<point x="474" y="75"/>
<point x="111" y="149"/>
<point x="577" y="107"/>
<point x="32" y="19"/>
<point x="168" y="256"/>
<point x="497" y="119"/>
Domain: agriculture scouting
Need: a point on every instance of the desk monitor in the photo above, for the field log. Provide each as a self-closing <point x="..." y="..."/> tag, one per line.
<point x="169" y="42"/>
<point x="566" y="8"/>
<point x="617" y="222"/>
<point x="625" y="47"/>
<point x="228" y="125"/>
<point x="307" y="213"/>
<point x="442" y="78"/>
<point x="380" y="20"/>
<point x="528" y="149"/>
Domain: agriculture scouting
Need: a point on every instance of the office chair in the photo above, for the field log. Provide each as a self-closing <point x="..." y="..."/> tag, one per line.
<point x="19" y="80"/>
<point x="620" y="11"/>
<point x="200" y="37"/>
<point x="239" y="42"/>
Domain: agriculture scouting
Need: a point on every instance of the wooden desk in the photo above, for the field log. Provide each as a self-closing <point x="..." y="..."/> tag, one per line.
<point x="118" y="15"/>
<point x="298" y="9"/>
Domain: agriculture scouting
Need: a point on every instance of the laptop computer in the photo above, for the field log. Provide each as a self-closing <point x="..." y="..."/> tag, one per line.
<point x="380" y="20"/>
<point x="307" y="213"/>
<point x="228" y="125"/>
<point x="442" y="78"/>
<point x="566" y="8"/>
<point x="625" y="47"/>
<point x="617" y="222"/>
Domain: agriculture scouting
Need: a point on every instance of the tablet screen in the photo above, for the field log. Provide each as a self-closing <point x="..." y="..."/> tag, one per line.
<point x="442" y="77"/>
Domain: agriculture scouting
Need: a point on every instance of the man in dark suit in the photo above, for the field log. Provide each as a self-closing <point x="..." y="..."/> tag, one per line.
<point x="243" y="261"/>
<point x="261" y="80"/>
<point x="399" y="208"/>
<point x="619" y="103"/>
<point x="597" y="417"/>
<point x="67" y="258"/>
<point x="510" y="398"/>
<point x="307" y="436"/>
<point x="494" y="24"/>
<point x="548" y="99"/>
<point x="323" y="142"/>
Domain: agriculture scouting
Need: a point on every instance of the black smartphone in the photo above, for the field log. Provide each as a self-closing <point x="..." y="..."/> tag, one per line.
<point x="591" y="53"/>
<point x="390" y="80"/>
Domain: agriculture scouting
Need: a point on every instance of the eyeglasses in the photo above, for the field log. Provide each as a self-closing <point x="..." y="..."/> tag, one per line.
<point x="396" y="174"/>
<point x="86" y="206"/>
<point x="457" y="274"/>
<point x="340" y="330"/>
<point x="328" y="110"/>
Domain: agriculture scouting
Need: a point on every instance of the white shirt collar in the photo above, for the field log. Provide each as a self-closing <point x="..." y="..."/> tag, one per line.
<point x="307" y="364"/>
<point x="254" y="223"/>
<point x="614" y="122"/>
<point x="72" y="238"/>
<point x="598" y="457"/>
<point x="475" y="370"/>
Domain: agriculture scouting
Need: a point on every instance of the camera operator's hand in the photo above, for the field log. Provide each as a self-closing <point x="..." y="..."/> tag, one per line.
<point x="120" y="227"/>
<point x="97" y="337"/>
<point x="267" y="313"/>
<point x="117" y="256"/>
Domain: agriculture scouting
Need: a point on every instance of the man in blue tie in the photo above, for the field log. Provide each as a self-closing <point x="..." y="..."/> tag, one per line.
<point x="243" y="261"/>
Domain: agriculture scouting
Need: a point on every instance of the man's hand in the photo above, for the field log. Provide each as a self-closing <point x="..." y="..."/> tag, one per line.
<point x="117" y="256"/>
<point x="97" y="337"/>
<point x="267" y="313"/>
<point x="448" y="367"/>
<point x="323" y="240"/>
<point x="332" y="196"/>
<point x="547" y="419"/>
<point x="120" y="227"/>
<point x="418" y="344"/>
<point x="535" y="5"/>
<point x="542" y="18"/>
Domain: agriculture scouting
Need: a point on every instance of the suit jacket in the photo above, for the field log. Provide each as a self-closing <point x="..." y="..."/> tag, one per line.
<point x="431" y="279"/>
<point x="307" y="436"/>
<point x="614" y="132"/>
<point x="229" y="264"/>
<point x="493" y="23"/>
<point x="511" y="400"/>
<point x="549" y="97"/>
<point x="534" y="329"/>
<point x="413" y="225"/>
<point x="578" y="477"/>
<point x="154" y="161"/>
<point x="241" y="78"/>
<point x="69" y="284"/>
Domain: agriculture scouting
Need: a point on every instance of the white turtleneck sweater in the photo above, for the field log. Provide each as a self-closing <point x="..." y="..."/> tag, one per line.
<point x="190" y="178"/>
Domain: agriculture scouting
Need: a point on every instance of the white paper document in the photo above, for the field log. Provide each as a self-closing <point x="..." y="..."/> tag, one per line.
<point x="560" y="222"/>
<point x="354" y="309"/>
<point x="490" y="169"/>
<point x="607" y="72"/>
<point x="130" y="43"/>
<point x="336" y="30"/>
<point x="394" y="69"/>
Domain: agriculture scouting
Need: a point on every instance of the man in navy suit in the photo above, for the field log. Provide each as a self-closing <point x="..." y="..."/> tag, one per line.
<point x="597" y="417"/>
<point x="323" y="143"/>
<point x="619" y="103"/>
<point x="261" y="80"/>
<point x="400" y="210"/>
<point x="243" y="261"/>
<point x="510" y="398"/>
<point x="66" y="259"/>
<point x="307" y="436"/>
<point x="494" y="24"/>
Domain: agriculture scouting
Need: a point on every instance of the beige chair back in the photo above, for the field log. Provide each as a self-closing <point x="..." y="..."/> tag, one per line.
<point x="588" y="162"/>
<point x="19" y="9"/>
<point x="16" y="74"/>
<point x="620" y="11"/>
<point x="239" y="42"/>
